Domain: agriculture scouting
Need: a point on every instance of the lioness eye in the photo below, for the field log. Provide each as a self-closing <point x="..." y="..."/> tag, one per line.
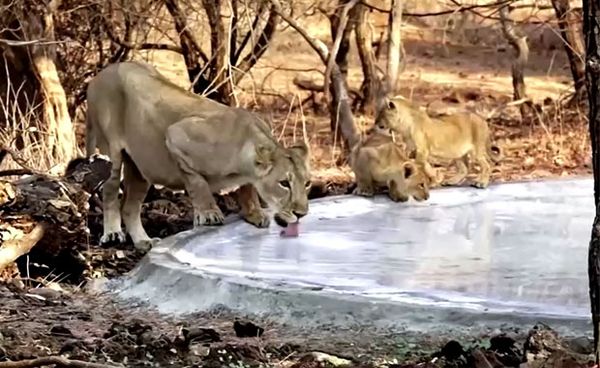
<point x="307" y="184"/>
<point x="285" y="184"/>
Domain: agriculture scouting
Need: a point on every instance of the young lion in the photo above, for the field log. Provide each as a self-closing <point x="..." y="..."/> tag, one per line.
<point x="378" y="163"/>
<point x="159" y="133"/>
<point x="446" y="138"/>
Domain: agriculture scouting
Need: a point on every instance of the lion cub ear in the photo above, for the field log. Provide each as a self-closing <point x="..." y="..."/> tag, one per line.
<point x="410" y="169"/>
<point x="264" y="157"/>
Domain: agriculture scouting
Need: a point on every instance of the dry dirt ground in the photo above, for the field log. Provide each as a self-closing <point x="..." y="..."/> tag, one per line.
<point x="37" y="320"/>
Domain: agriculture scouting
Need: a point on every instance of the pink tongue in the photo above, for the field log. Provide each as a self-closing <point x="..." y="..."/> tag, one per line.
<point x="291" y="230"/>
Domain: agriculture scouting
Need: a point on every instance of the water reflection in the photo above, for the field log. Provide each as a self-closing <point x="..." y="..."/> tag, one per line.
<point x="514" y="243"/>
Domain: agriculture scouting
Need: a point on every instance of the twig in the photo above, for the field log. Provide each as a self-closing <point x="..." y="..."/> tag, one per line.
<point x="19" y="160"/>
<point x="53" y="360"/>
<point x="14" y="248"/>
<point x="15" y="172"/>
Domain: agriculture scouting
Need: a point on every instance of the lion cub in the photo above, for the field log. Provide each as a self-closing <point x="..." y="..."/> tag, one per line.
<point x="378" y="162"/>
<point x="449" y="138"/>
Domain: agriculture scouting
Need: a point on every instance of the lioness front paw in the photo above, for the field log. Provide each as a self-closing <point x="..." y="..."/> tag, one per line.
<point x="114" y="238"/>
<point x="146" y="244"/>
<point x="212" y="217"/>
<point x="258" y="218"/>
<point x="364" y="192"/>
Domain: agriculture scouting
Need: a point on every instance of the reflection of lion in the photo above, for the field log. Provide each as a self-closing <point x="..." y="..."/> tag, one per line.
<point x="445" y="138"/>
<point x="379" y="162"/>
<point x="163" y="134"/>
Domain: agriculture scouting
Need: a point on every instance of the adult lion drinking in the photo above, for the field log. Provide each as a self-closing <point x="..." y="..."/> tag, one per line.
<point x="163" y="134"/>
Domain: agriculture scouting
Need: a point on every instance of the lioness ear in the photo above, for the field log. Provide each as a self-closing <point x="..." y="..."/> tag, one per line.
<point x="409" y="169"/>
<point x="264" y="158"/>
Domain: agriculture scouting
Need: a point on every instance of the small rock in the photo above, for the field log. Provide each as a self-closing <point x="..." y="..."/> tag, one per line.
<point x="506" y="351"/>
<point x="247" y="329"/>
<point x="60" y="330"/>
<point x="453" y="350"/>
<point x="203" y="335"/>
<point x="581" y="345"/>
<point x="45" y="292"/>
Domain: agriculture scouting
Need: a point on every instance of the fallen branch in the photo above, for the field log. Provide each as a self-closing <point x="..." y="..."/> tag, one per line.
<point x="53" y="360"/>
<point x="15" y="248"/>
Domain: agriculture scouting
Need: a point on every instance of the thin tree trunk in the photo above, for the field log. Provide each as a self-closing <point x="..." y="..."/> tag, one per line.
<point x="218" y="41"/>
<point x="591" y="30"/>
<point x="341" y="57"/>
<point x="567" y="21"/>
<point x="62" y="141"/>
<point x="394" y="52"/>
<point x="364" y="43"/>
<point x="519" y="44"/>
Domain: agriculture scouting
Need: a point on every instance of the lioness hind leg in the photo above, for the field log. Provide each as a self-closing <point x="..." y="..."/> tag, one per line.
<point x="461" y="173"/>
<point x="112" y="233"/>
<point x="136" y="188"/>
<point x="206" y="211"/>
<point x="249" y="202"/>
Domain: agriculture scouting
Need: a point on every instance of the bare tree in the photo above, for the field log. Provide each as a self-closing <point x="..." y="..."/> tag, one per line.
<point x="573" y="44"/>
<point x="215" y="75"/>
<point x="395" y="53"/>
<point x="340" y="106"/>
<point x="364" y="41"/>
<point x="29" y="40"/>
<point x="519" y="43"/>
<point x="591" y="31"/>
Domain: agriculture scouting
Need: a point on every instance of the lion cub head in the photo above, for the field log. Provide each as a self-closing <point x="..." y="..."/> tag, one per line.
<point x="416" y="184"/>
<point x="284" y="180"/>
<point x="397" y="115"/>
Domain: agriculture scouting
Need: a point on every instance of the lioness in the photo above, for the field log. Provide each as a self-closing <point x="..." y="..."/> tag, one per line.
<point x="446" y="138"/>
<point x="378" y="163"/>
<point x="163" y="134"/>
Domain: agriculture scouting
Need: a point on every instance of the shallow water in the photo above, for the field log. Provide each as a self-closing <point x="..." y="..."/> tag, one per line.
<point x="518" y="247"/>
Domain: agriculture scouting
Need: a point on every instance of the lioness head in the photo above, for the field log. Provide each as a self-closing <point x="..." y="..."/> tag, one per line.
<point x="416" y="184"/>
<point x="284" y="181"/>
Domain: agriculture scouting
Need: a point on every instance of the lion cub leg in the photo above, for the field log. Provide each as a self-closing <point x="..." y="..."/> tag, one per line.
<point x="422" y="158"/>
<point x="249" y="202"/>
<point x="364" y="179"/>
<point x="483" y="180"/>
<point x="206" y="211"/>
<point x="461" y="173"/>
<point x="136" y="188"/>
<point x="111" y="213"/>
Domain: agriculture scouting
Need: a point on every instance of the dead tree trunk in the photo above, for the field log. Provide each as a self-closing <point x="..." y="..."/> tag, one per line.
<point x="572" y="43"/>
<point x="364" y="42"/>
<point x="395" y="53"/>
<point x="61" y="138"/>
<point x="591" y="30"/>
<point x="519" y="44"/>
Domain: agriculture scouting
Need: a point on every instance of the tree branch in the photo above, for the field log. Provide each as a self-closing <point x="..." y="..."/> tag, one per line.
<point x="343" y="22"/>
<point x="15" y="248"/>
<point x="259" y="47"/>
<point x="53" y="360"/>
